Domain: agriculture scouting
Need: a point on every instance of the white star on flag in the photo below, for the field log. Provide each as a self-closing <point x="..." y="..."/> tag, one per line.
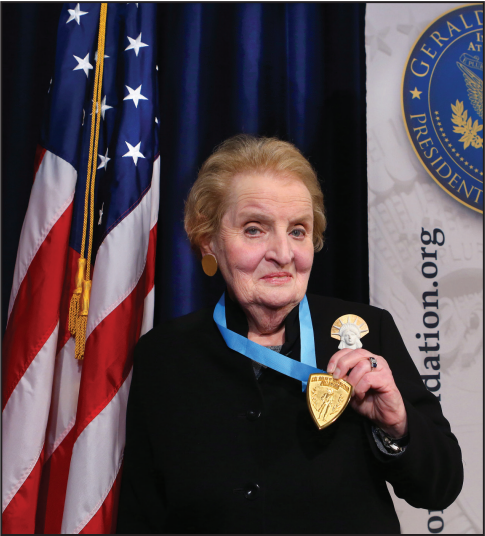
<point x="96" y="56"/>
<point x="135" y="95"/>
<point x="104" y="160"/>
<point x="133" y="152"/>
<point x="83" y="64"/>
<point x="76" y="14"/>
<point x="135" y="44"/>
<point x="104" y="106"/>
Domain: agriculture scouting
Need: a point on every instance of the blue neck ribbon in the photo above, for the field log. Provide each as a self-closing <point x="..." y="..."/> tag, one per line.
<point x="299" y="370"/>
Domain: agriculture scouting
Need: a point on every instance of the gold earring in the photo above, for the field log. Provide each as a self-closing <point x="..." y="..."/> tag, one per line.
<point x="209" y="264"/>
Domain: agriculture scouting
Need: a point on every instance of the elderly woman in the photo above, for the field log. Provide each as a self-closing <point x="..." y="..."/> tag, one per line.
<point x="219" y="435"/>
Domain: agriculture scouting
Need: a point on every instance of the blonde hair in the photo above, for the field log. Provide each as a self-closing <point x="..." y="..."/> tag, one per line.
<point x="208" y="197"/>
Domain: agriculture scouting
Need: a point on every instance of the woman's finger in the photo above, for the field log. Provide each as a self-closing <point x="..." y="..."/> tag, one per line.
<point x="381" y="382"/>
<point x="349" y="360"/>
<point x="335" y="358"/>
<point x="360" y="369"/>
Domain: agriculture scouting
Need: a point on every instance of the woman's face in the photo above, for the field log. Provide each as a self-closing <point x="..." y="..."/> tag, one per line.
<point x="265" y="248"/>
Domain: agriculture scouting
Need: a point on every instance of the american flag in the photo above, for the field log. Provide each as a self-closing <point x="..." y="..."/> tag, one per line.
<point x="64" y="419"/>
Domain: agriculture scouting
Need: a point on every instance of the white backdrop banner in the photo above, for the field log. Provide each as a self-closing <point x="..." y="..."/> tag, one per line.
<point x="425" y="175"/>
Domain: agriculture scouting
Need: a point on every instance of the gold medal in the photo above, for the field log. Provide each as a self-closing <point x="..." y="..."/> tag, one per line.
<point x="327" y="398"/>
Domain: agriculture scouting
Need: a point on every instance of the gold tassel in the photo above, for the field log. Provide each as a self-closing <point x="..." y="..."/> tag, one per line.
<point x="81" y="324"/>
<point x="82" y="320"/>
<point x="74" y="305"/>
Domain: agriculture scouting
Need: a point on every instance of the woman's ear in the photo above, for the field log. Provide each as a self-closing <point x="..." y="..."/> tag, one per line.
<point x="206" y="246"/>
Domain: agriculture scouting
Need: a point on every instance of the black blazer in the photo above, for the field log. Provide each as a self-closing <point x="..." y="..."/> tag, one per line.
<point x="210" y="449"/>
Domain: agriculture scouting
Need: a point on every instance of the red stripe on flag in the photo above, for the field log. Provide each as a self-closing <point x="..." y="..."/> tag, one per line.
<point x="53" y="484"/>
<point x="31" y="324"/>
<point x="104" y="520"/>
<point x="39" y="156"/>
<point x="104" y="372"/>
<point x="52" y="491"/>
<point x="19" y="516"/>
<point x="151" y="255"/>
<point x="116" y="335"/>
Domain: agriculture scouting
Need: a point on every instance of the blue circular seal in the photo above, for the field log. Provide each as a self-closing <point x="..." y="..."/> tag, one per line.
<point x="442" y="102"/>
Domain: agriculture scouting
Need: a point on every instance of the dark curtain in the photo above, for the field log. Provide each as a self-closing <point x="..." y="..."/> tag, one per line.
<point x="291" y="70"/>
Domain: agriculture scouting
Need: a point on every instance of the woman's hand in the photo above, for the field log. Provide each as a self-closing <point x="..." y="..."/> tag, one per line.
<point x="375" y="393"/>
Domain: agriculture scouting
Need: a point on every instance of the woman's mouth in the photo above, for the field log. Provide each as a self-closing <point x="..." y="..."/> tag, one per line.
<point x="277" y="278"/>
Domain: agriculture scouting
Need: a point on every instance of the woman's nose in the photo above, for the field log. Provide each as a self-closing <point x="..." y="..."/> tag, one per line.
<point x="279" y="249"/>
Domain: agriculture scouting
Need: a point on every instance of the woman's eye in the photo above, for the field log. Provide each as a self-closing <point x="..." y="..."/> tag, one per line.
<point x="298" y="232"/>
<point x="252" y="231"/>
